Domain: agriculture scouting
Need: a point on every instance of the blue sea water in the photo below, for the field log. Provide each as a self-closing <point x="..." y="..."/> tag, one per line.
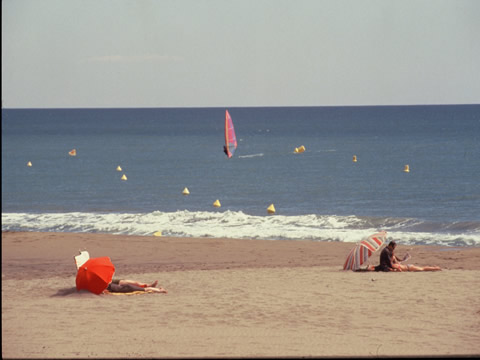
<point x="320" y="194"/>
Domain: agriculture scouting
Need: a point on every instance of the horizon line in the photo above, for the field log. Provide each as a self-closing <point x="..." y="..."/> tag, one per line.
<point x="233" y="107"/>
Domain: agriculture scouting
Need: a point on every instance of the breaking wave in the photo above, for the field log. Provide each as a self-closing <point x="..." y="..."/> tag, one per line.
<point x="236" y="224"/>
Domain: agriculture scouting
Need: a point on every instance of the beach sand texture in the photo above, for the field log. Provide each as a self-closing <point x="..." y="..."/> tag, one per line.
<point x="234" y="298"/>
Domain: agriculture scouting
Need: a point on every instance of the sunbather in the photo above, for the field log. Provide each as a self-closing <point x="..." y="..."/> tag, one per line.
<point x="390" y="262"/>
<point x="411" y="267"/>
<point x="125" y="286"/>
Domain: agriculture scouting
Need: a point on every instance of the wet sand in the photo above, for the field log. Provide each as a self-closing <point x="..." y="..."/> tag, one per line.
<point x="234" y="298"/>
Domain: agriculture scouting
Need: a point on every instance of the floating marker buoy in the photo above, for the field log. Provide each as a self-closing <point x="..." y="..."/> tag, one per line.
<point x="299" y="150"/>
<point x="158" y="233"/>
<point x="354" y="158"/>
<point x="72" y="152"/>
<point x="185" y="192"/>
<point x="271" y="209"/>
<point x="217" y="203"/>
<point x="124" y="177"/>
<point x="407" y="168"/>
<point x="119" y="168"/>
<point x="29" y="163"/>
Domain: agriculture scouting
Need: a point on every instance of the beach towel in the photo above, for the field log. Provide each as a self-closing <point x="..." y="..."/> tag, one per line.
<point x="106" y="292"/>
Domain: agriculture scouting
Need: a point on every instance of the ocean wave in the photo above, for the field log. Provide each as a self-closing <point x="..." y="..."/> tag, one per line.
<point x="237" y="224"/>
<point x="250" y="156"/>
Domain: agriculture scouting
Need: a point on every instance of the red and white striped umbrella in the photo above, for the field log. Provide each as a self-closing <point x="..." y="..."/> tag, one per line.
<point x="363" y="250"/>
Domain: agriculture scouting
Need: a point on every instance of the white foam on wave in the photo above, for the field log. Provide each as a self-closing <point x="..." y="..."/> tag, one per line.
<point x="230" y="224"/>
<point x="250" y="156"/>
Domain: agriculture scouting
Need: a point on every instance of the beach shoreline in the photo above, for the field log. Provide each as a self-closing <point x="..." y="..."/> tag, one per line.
<point x="234" y="298"/>
<point x="132" y="253"/>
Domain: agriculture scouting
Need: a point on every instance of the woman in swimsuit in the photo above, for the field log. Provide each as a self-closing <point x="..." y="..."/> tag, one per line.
<point x="411" y="267"/>
<point x="126" y="286"/>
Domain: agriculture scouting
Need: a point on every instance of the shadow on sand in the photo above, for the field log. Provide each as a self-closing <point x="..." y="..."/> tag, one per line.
<point x="65" y="292"/>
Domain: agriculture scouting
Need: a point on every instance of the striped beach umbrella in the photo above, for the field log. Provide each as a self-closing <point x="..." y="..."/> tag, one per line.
<point x="363" y="250"/>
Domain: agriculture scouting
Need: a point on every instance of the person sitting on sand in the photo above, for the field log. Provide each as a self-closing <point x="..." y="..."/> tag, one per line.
<point x="126" y="286"/>
<point x="389" y="262"/>
<point x="387" y="258"/>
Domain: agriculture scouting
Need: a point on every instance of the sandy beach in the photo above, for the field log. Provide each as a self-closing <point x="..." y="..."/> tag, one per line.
<point x="234" y="298"/>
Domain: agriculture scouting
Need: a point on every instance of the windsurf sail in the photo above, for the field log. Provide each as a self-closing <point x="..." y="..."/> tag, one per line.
<point x="230" y="138"/>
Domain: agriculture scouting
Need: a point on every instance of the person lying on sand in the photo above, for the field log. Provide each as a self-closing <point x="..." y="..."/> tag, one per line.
<point x="390" y="262"/>
<point x="397" y="266"/>
<point x="126" y="286"/>
<point x="409" y="267"/>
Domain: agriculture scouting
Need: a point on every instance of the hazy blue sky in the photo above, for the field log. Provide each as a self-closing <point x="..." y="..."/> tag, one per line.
<point x="147" y="53"/>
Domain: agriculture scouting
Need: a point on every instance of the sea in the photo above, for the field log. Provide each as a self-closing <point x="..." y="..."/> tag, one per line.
<point x="321" y="194"/>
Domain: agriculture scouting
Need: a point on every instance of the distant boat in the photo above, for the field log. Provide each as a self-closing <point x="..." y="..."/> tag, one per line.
<point x="230" y="138"/>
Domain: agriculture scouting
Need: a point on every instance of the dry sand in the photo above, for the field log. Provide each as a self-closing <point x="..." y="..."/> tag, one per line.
<point x="234" y="298"/>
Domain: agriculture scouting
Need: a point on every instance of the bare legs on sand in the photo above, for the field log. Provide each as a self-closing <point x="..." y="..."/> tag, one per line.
<point x="137" y="283"/>
<point x="157" y="290"/>
<point x="148" y="287"/>
<point x="401" y="268"/>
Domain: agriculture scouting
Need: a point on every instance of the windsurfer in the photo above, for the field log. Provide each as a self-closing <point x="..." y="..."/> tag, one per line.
<point x="230" y="137"/>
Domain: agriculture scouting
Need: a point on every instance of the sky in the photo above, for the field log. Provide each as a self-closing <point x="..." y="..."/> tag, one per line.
<point x="229" y="53"/>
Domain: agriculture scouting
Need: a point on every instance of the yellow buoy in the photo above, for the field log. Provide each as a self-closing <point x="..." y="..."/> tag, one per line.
<point x="299" y="150"/>
<point x="124" y="177"/>
<point x="271" y="209"/>
<point x="29" y="163"/>
<point x="72" y="152"/>
<point x="407" y="168"/>
<point x="217" y="203"/>
<point x="354" y="158"/>
<point x="158" y="233"/>
<point x="185" y="192"/>
<point x="119" y="168"/>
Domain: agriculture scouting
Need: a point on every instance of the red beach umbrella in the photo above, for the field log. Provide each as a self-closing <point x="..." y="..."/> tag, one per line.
<point x="95" y="275"/>
<point x="363" y="250"/>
